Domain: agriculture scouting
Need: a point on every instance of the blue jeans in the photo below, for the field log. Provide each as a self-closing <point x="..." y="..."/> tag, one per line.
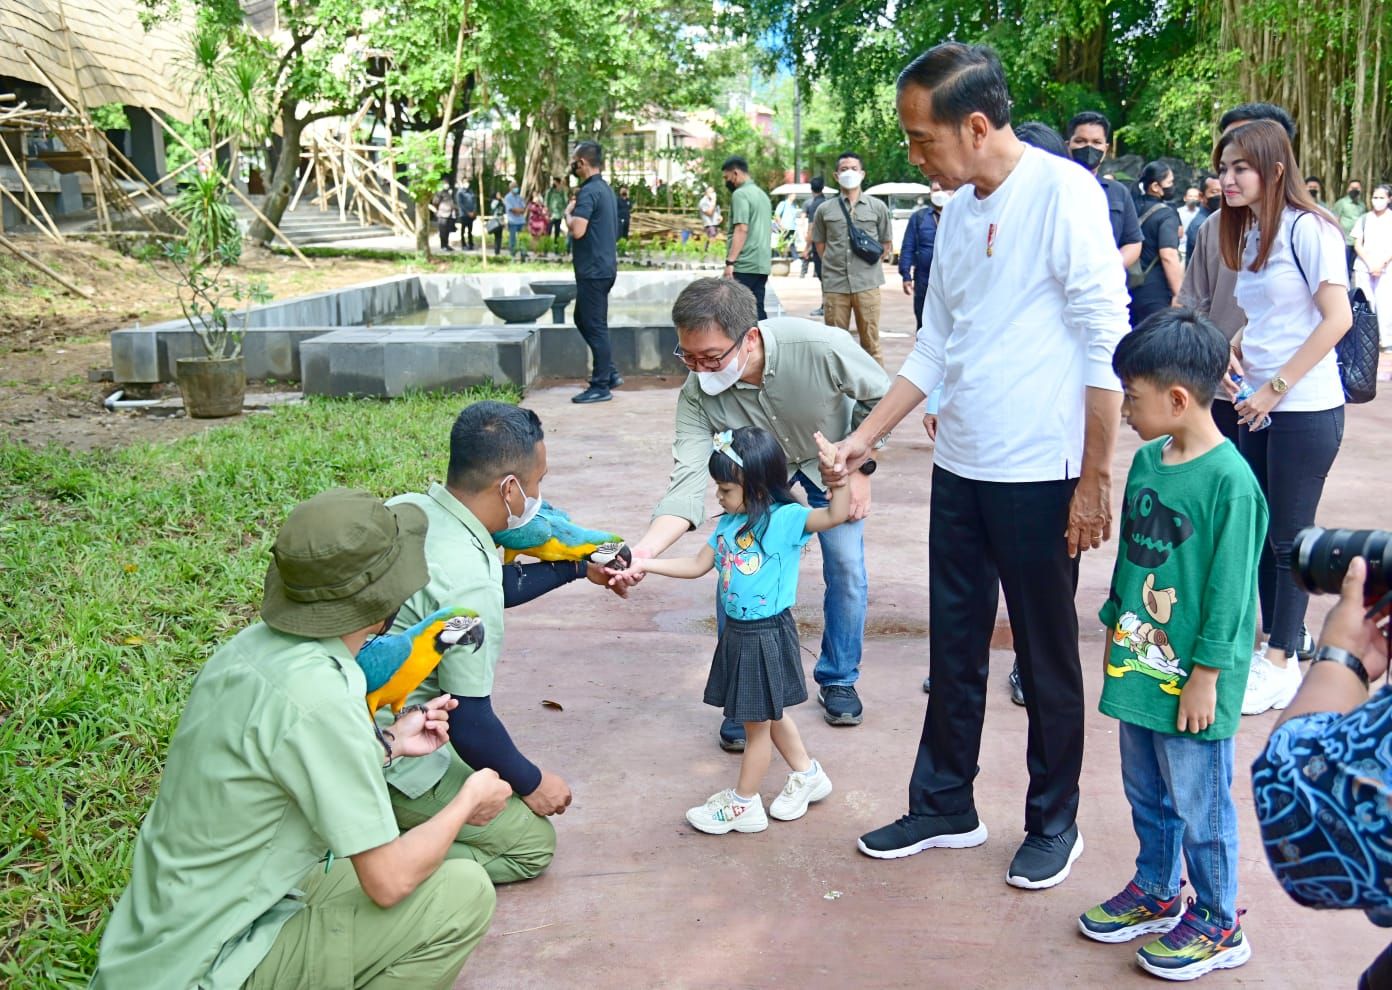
<point x="512" y="238"/>
<point x="1180" y="789"/>
<point x="843" y="605"/>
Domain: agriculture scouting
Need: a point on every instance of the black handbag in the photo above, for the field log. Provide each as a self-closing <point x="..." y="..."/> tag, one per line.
<point x="1357" y="351"/>
<point x="865" y="247"/>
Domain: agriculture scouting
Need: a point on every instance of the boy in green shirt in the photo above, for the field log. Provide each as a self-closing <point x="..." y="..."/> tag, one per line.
<point x="1180" y="621"/>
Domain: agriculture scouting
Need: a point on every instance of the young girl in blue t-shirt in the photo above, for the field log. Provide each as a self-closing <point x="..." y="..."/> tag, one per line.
<point x="757" y="668"/>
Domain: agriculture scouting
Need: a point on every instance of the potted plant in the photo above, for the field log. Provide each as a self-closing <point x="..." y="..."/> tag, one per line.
<point x="213" y="385"/>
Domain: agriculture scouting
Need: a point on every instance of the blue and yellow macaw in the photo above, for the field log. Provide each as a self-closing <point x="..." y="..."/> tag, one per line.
<point x="552" y="536"/>
<point x="397" y="664"/>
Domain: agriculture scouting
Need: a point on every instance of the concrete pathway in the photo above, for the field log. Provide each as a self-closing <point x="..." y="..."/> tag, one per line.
<point x="637" y="899"/>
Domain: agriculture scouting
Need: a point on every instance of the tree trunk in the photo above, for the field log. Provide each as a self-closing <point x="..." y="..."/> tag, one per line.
<point x="559" y="123"/>
<point x="282" y="184"/>
<point x="423" y="227"/>
<point x="536" y="158"/>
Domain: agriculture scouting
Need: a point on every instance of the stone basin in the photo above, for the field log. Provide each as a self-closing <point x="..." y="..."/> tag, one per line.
<point x="518" y="309"/>
<point x="564" y="293"/>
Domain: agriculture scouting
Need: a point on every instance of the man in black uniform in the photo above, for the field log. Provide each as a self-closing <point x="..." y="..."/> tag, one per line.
<point x="1089" y="135"/>
<point x="594" y="224"/>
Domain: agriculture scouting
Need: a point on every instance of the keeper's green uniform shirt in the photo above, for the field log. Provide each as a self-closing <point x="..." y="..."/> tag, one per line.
<point x="464" y="570"/>
<point x="273" y="765"/>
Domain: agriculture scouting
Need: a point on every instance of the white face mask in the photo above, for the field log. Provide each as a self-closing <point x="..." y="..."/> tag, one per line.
<point x="940" y="198"/>
<point x="850" y="179"/>
<point x="715" y="382"/>
<point x="530" y="505"/>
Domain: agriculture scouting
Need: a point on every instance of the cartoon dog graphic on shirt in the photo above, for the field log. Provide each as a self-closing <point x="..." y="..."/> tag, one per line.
<point x="1151" y="652"/>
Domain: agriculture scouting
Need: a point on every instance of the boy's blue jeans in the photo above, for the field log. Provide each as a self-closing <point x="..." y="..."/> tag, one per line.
<point x="1180" y="789"/>
<point x="844" y="602"/>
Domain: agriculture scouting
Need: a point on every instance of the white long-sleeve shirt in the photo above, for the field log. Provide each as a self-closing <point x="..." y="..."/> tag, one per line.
<point x="1026" y="302"/>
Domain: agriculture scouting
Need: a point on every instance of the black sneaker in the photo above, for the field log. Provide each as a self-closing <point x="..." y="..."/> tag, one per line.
<point x="1017" y="692"/>
<point x="1044" y="860"/>
<point x="915" y="833"/>
<point x="842" y="704"/>
<point x="732" y="736"/>
<point x="928" y="685"/>
<point x="592" y="394"/>
<point x="817" y="311"/>
<point x="615" y="379"/>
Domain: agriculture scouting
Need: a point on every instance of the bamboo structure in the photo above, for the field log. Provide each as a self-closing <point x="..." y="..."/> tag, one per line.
<point x="1324" y="61"/>
<point x="348" y="179"/>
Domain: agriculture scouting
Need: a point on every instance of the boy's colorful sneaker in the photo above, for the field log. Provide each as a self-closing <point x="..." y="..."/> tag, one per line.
<point x="1194" y="947"/>
<point x="723" y="813"/>
<point x="801" y="790"/>
<point x="1130" y="914"/>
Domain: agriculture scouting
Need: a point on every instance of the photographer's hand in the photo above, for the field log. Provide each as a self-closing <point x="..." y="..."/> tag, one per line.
<point x="1332" y="687"/>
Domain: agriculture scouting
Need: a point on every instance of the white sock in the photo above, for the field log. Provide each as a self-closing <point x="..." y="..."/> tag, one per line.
<point x="744" y="800"/>
<point x="811" y="770"/>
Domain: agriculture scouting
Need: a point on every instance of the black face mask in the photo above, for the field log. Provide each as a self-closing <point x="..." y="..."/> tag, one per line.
<point x="1355" y="194"/>
<point x="1212" y="203"/>
<point x="575" y="169"/>
<point x="1168" y="194"/>
<point x="1087" y="156"/>
<point x="730" y="185"/>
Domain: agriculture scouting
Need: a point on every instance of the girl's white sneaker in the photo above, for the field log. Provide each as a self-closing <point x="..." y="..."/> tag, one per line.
<point x="801" y="790"/>
<point x="724" y="812"/>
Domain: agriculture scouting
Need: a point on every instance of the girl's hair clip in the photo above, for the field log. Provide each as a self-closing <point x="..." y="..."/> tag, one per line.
<point x="724" y="442"/>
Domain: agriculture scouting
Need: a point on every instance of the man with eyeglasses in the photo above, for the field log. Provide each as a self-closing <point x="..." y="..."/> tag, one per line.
<point x="792" y="377"/>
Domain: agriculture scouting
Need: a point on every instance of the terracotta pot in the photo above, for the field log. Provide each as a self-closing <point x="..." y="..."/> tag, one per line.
<point x="212" y="387"/>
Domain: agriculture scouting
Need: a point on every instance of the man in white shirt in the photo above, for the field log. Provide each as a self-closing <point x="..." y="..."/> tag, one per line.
<point x="1025" y="305"/>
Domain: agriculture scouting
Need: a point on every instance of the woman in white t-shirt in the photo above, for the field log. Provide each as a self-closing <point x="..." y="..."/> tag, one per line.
<point x="1372" y="242"/>
<point x="1293" y="284"/>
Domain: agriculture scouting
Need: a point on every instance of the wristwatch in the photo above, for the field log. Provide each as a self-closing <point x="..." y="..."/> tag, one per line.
<point x="1336" y="655"/>
<point x="868" y="467"/>
<point x="1279" y="385"/>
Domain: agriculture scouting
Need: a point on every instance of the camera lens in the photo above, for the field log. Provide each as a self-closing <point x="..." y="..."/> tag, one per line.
<point x="1320" y="559"/>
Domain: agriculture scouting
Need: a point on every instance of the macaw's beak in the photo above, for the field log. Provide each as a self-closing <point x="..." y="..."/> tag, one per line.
<point x="463" y="631"/>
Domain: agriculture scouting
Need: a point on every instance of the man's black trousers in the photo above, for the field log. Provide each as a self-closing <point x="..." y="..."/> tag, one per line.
<point x="982" y="534"/>
<point x="592" y="320"/>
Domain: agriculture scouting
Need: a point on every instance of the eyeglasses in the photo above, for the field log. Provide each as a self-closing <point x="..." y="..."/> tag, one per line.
<point x="698" y="362"/>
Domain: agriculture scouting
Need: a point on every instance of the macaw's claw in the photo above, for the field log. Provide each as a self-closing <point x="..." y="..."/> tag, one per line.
<point x="615" y="556"/>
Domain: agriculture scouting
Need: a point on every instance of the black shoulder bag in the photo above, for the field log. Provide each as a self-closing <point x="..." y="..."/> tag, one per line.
<point x="866" y="248"/>
<point x="1357" y="351"/>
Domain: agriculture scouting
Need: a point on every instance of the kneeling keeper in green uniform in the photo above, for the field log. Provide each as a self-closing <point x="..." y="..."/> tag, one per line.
<point x="271" y="857"/>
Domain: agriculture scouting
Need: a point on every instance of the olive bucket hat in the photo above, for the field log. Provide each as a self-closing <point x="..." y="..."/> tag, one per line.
<point x="342" y="561"/>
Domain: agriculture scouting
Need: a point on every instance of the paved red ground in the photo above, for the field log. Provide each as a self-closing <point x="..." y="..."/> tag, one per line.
<point x="637" y="899"/>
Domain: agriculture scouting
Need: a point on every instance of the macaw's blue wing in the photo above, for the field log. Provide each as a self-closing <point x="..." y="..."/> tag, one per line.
<point x="383" y="656"/>
<point x="552" y="536"/>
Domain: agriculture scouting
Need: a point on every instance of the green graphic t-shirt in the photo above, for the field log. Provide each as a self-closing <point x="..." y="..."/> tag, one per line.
<point x="1184" y="590"/>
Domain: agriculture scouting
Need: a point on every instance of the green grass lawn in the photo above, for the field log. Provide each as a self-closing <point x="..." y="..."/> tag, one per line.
<point x="123" y="572"/>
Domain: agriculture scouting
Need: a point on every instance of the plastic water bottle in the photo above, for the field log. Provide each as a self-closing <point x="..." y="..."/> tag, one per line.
<point x="1245" y="391"/>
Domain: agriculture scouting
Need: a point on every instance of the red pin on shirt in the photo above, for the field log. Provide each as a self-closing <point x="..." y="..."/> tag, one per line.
<point x="990" y="240"/>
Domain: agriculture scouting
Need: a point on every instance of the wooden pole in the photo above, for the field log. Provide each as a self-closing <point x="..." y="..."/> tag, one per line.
<point x="9" y="245"/>
<point x="52" y="231"/>
<point x="232" y="188"/>
<point x="299" y="190"/>
<point x="51" y="235"/>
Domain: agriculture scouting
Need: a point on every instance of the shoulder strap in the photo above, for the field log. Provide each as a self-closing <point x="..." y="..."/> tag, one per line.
<point x="842" y="201"/>
<point x="1150" y="213"/>
<point x="1294" y="254"/>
